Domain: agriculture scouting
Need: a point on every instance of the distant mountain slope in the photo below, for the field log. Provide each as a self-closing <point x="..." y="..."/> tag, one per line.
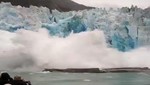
<point x="61" y="5"/>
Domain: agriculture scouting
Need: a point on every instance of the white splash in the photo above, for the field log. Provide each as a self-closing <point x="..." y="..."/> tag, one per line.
<point x="29" y="50"/>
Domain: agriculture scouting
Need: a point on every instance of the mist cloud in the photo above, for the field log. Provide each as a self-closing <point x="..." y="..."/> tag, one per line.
<point x="29" y="50"/>
<point x="115" y="3"/>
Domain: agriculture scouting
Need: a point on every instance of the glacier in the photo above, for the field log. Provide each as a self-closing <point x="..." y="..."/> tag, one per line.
<point x="124" y="28"/>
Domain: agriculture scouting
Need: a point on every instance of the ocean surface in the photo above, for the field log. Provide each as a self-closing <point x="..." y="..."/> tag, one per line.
<point x="45" y="78"/>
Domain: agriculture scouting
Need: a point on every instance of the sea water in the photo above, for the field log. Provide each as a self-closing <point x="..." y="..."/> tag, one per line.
<point x="46" y="78"/>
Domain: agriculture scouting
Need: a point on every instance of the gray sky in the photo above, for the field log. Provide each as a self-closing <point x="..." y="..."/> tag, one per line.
<point x="115" y="3"/>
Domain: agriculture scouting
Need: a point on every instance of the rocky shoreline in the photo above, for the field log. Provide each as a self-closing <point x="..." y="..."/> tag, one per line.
<point x="97" y="70"/>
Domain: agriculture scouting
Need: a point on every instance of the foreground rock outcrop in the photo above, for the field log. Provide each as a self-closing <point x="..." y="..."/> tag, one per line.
<point x="61" y="5"/>
<point x="97" y="70"/>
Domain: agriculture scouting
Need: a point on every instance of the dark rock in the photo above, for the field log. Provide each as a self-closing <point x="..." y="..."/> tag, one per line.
<point x="75" y="70"/>
<point x="61" y="5"/>
<point x="97" y="70"/>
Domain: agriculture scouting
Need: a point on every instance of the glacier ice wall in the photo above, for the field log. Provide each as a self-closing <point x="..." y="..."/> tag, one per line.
<point x="34" y="38"/>
<point x="124" y="29"/>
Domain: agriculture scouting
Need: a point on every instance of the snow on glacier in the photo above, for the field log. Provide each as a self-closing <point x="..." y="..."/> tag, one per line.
<point x="123" y="30"/>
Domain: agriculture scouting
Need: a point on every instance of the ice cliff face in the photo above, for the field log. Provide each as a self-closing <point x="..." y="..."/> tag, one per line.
<point x="124" y="29"/>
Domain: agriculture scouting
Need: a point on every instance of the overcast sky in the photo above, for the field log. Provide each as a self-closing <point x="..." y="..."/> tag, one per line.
<point x="115" y="3"/>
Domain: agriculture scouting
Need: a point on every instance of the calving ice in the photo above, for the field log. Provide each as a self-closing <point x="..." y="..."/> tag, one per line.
<point x="36" y="38"/>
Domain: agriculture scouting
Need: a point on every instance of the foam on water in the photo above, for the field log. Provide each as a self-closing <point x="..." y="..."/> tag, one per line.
<point x="87" y="80"/>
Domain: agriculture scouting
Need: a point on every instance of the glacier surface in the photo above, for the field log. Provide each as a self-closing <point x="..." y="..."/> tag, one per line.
<point x="124" y="28"/>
